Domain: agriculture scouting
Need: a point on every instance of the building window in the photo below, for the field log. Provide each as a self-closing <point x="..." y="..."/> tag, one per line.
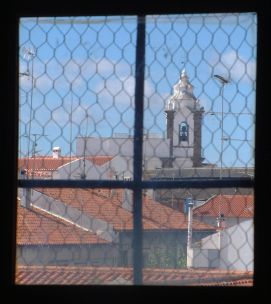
<point x="183" y="131"/>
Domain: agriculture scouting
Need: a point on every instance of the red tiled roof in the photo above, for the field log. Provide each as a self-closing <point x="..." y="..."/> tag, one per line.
<point x="37" y="227"/>
<point x="44" y="162"/>
<point x="239" y="282"/>
<point x="43" y="166"/>
<point x="229" y="205"/>
<point x="86" y="275"/>
<point x="95" y="204"/>
<point x="168" y="218"/>
<point x="99" y="160"/>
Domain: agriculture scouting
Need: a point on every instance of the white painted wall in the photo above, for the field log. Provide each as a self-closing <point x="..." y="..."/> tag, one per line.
<point x="231" y="249"/>
<point x="74" y="169"/>
<point x="237" y="247"/>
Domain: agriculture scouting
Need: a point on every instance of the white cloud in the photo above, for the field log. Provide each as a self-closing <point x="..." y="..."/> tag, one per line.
<point x="236" y="67"/>
<point x="114" y="87"/>
<point x="79" y="115"/>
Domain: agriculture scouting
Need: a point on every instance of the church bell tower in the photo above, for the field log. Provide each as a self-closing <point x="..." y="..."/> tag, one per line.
<point x="184" y="122"/>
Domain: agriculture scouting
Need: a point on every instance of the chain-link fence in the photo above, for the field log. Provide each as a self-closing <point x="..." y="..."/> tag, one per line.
<point x="136" y="150"/>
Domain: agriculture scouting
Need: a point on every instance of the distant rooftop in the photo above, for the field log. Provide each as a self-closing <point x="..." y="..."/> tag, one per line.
<point x="229" y="205"/>
<point x="44" y="166"/>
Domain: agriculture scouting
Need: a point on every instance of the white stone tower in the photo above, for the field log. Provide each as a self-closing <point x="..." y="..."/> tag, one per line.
<point x="184" y="117"/>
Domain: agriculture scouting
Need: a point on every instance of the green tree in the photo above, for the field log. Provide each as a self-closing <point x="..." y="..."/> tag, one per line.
<point x="170" y="257"/>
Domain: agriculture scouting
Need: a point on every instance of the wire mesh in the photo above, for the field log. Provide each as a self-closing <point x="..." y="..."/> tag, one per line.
<point x="79" y="122"/>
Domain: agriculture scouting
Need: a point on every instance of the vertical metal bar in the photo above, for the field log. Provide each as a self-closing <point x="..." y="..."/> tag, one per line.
<point x="138" y="144"/>
<point x="189" y="262"/>
<point x="10" y="150"/>
<point x="222" y="131"/>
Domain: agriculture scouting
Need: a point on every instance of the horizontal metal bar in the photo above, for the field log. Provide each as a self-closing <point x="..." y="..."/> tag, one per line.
<point x="65" y="183"/>
<point x="226" y="182"/>
<point x="201" y="183"/>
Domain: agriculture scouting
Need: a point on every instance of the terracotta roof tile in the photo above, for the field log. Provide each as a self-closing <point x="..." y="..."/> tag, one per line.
<point x="168" y="218"/>
<point x="99" y="160"/>
<point x="67" y="275"/>
<point x="43" y="166"/>
<point x="229" y="205"/>
<point x="95" y="204"/>
<point x="44" y="162"/>
<point x="37" y="227"/>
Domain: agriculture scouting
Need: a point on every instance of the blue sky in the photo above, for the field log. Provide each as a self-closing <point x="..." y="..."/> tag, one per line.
<point x="83" y="72"/>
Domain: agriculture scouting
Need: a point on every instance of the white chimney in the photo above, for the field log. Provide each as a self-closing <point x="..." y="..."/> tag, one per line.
<point x="127" y="197"/>
<point x="56" y="152"/>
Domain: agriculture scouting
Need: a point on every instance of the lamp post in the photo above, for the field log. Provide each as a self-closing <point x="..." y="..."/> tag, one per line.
<point x="223" y="81"/>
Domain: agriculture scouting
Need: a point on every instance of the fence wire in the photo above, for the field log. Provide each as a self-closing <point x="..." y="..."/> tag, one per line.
<point x="77" y="123"/>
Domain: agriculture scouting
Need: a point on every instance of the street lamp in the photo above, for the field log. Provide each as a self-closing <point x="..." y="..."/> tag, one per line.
<point x="223" y="81"/>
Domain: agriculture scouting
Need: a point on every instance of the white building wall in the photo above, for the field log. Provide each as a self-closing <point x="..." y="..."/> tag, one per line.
<point x="237" y="247"/>
<point x="205" y="258"/>
<point x="120" y="165"/>
<point x="74" y="169"/>
<point x="104" y="146"/>
<point x="154" y="149"/>
<point x="182" y="162"/>
<point x="231" y="249"/>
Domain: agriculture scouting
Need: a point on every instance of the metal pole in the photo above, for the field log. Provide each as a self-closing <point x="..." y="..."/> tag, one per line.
<point x="223" y="81"/>
<point x="138" y="147"/>
<point x="31" y="108"/>
<point x="189" y="258"/>
<point x="34" y="154"/>
<point x="71" y="109"/>
<point x="222" y="131"/>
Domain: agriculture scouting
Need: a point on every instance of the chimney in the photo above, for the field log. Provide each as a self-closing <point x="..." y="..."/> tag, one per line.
<point x="25" y="197"/>
<point x="127" y="202"/>
<point x="56" y="152"/>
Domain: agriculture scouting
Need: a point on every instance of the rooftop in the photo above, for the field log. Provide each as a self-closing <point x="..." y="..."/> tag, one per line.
<point x="229" y="205"/>
<point x="66" y="275"/>
<point x="37" y="227"/>
<point x="43" y="166"/>
<point x="107" y="205"/>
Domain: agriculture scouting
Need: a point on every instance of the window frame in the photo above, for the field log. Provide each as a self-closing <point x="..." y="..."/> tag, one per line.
<point x="262" y="150"/>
